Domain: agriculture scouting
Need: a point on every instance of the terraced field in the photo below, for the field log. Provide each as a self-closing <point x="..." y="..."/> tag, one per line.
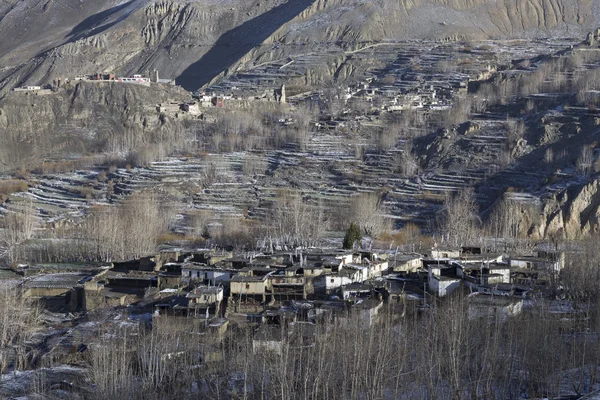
<point x="338" y="162"/>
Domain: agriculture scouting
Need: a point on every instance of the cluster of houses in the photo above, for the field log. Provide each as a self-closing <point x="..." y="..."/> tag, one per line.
<point x="285" y="296"/>
<point x="97" y="77"/>
<point x="212" y="283"/>
<point x="214" y="99"/>
<point x="433" y="96"/>
<point x="136" y="78"/>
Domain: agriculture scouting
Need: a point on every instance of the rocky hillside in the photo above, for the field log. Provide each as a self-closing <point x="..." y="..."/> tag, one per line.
<point x="81" y="119"/>
<point x="197" y="41"/>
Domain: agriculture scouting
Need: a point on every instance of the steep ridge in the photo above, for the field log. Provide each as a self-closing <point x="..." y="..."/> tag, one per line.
<point x="29" y="28"/>
<point x="198" y="40"/>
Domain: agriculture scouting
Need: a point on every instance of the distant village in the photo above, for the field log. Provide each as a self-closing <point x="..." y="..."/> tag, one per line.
<point x="378" y="95"/>
<point x="279" y="290"/>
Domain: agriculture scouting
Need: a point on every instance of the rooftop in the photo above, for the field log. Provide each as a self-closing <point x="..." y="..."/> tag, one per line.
<point x="239" y="278"/>
<point x="64" y="280"/>
<point x="355" y="286"/>
<point x="203" y="290"/>
<point x="486" y="299"/>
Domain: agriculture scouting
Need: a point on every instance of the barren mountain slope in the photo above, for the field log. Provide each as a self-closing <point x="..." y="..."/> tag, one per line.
<point x="195" y="41"/>
<point x="82" y="119"/>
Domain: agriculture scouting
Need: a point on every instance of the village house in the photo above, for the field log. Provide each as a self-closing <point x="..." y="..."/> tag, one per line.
<point x="136" y="78"/>
<point x="210" y="275"/>
<point x="135" y="282"/>
<point x="443" y="279"/>
<point x="57" y="292"/>
<point x="268" y="338"/>
<point x="404" y="295"/>
<point x="282" y="315"/>
<point x="481" y="258"/>
<point x="356" y="272"/>
<point x="495" y="308"/>
<point x="505" y="289"/>
<point x="247" y="293"/>
<point x="483" y="273"/>
<point x="367" y="311"/>
<point x="28" y="88"/>
<point x="445" y="253"/>
<point x="127" y="282"/>
<point x="536" y="263"/>
<point x="193" y="108"/>
<point x="206" y="298"/>
<point x="327" y="284"/>
<point x="102" y="77"/>
<point x="406" y="263"/>
<point x="375" y="264"/>
<point x="147" y="263"/>
<point x="168" y="108"/>
<point x="356" y="290"/>
<point x="288" y="283"/>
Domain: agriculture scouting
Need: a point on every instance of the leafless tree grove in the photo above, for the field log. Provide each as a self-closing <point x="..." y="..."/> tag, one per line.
<point x="19" y="319"/>
<point x="16" y="228"/>
<point x="295" y="222"/>
<point x="441" y="354"/>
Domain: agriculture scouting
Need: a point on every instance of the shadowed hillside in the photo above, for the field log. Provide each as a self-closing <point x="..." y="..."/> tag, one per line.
<point x="234" y="44"/>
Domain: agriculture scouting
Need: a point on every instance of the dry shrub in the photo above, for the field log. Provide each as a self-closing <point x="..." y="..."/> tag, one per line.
<point x="172" y="237"/>
<point x="101" y="176"/>
<point x="86" y="192"/>
<point x="11" y="186"/>
<point x="254" y="165"/>
<point x="237" y="233"/>
<point x="22" y="173"/>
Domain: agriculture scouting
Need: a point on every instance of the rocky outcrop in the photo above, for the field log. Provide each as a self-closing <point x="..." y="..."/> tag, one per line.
<point x="572" y="213"/>
<point x="164" y="19"/>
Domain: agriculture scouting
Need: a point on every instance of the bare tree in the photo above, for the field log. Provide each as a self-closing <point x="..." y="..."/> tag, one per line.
<point x="459" y="217"/>
<point x="549" y="156"/>
<point x="515" y="131"/>
<point x="366" y="210"/>
<point x="585" y="160"/>
<point x="408" y="165"/>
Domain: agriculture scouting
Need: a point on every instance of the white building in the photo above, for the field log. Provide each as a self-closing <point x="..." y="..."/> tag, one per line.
<point x="536" y="263"/>
<point x="205" y="295"/>
<point x="133" y="79"/>
<point x="204" y="273"/>
<point x="442" y="279"/>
